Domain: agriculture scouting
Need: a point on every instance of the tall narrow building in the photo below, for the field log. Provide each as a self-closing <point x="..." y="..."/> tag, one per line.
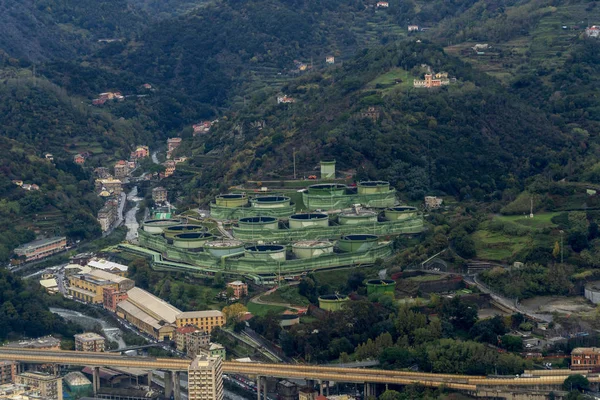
<point x="205" y="378"/>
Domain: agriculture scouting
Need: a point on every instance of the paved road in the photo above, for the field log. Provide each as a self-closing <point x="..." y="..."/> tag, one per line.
<point x="258" y="299"/>
<point x="130" y="220"/>
<point x="154" y="158"/>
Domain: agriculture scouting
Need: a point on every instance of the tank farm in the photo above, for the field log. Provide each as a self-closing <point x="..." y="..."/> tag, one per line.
<point x="262" y="236"/>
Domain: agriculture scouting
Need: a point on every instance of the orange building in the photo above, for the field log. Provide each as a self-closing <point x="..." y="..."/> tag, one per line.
<point x="240" y="289"/>
<point x="585" y="358"/>
<point x="111" y="297"/>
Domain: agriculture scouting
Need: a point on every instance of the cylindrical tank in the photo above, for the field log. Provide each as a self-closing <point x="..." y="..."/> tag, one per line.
<point x="271" y="202"/>
<point x="328" y="169"/>
<point x="299" y="221"/>
<point x="400" y="213"/>
<point x="259" y="223"/>
<point x="231" y="200"/>
<point x="372" y="187"/>
<point x="171" y="231"/>
<point x="386" y="286"/>
<point x="312" y="248"/>
<point x="327" y="189"/>
<point x="357" y="217"/>
<point x="356" y="243"/>
<point x="266" y="252"/>
<point x="332" y="302"/>
<point x="156" y="226"/>
<point x="220" y="248"/>
<point x="289" y="320"/>
<point x="192" y="240"/>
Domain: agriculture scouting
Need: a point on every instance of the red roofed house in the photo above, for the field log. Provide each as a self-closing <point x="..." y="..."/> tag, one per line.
<point x="79" y="159"/>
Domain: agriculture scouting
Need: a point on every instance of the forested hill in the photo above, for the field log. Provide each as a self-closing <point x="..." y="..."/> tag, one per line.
<point x="470" y="138"/>
<point x="160" y="9"/>
<point x="46" y="29"/>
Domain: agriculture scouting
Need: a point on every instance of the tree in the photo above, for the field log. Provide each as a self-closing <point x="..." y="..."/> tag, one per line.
<point x="512" y="343"/>
<point x="576" y="382"/>
<point x="390" y="395"/>
<point x="234" y="312"/>
<point x="556" y="250"/>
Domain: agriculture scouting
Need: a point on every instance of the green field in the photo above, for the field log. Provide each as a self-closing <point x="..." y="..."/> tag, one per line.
<point x="424" y="278"/>
<point x="287" y="295"/>
<point x="497" y="246"/>
<point x="539" y="221"/>
<point x="390" y="78"/>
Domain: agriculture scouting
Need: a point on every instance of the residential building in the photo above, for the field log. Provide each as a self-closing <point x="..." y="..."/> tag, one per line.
<point x="111" y="185"/>
<point x="205" y="320"/>
<point x="383" y="4"/>
<point x="159" y="194"/>
<point x="50" y="285"/>
<point x="101" y="172"/>
<point x="287" y="390"/>
<point x="42" y="343"/>
<point x="149" y="314"/>
<point x="240" y="289"/>
<point x="18" y="182"/>
<point x="413" y="28"/>
<point x="172" y="144"/>
<point x="196" y="341"/>
<point x="49" y="157"/>
<point x="89" y="341"/>
<point x="205" y="378"/>
<point x="49" y="386"/>
<point x="8" y="371"/>
<point x="121" y="169"/>
<point x="108" y="266"/>
<point x="79" y="159"/>
<point x="90" y="287"/>
<point x="433" y="202"/>
<point x="430" y="82"/>
<point x="593" y="31"/>
<point x="307" y="393"/>
<point x="108" y="214"/>
<point x="169" y="168"/>
<point x="330" y="60"/>
<point x="180" y="336"/>
<point x="585" y="358"/>
<point x="41" y="248"/>
<point x="111" y="297"/>
<point x="371" y="113"/>
<point x="140" y="152"/>
<point x="202" y="127"/>
<point x="285" y="99"/>
<point x="213" y="350"/>
<point x="81" y="258"/>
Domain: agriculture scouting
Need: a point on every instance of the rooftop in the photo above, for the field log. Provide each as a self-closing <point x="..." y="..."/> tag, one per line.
<point x="100" y="274"/>
<point x="76" y="379"/>
<point x="87" y="336"/>
<point x="39" y="375"/>
<point x="46" y="341"/>
<point x="40" y="242"/>
<point x="139" y="314"/>
<point x="103" y="264"/>
<point x="153" y="305"/>
<point x="203" y="361"/>
<point x="48" y="283"/>
<point x="585" y="350"/>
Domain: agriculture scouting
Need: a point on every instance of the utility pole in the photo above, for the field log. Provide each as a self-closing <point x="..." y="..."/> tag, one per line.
<point x="561" y="247"/>
<point x="294" y="154"/>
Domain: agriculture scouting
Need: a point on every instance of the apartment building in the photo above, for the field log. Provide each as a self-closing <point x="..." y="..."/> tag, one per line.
<point x="41" y="248"/>
<point x="49" y="386"/>
<point x="205" y="378"/>
<point x="204" y="320"/>
<point x="90" y="341"/>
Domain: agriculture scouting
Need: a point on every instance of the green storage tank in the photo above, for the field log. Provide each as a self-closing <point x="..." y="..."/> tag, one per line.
<point x="231" y="200"/>
<point x="300" y="221"/>
<point x="401" y="212"/>
<point x="357" y="217"/>
<point x="332" y="302"/>
<point x="327" y="189"/>
<point x="373" y="187"/>
<point x="328" y="169"/>
<point x="271" y="202"/>
<point x="157" y="226"/>
<point x="357" y="243"/>
<point x="192" y="240"/>
<point x="385" y="286"/>
<point x="262" y="222"/>
<point x="267" y="252"/>
<point x="171" y="231"/>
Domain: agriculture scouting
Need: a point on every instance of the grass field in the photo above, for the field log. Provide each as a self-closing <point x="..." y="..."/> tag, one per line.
<point x="390" y="78"/>
<point x="262" y="309"/>
<point x="424" y="278"/>
<point x="287" y="295"/>
<point x="539" y="221"/>
<point x="497" y="246"/>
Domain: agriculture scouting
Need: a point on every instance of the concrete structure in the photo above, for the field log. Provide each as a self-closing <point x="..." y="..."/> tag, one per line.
<point x="8" y="371"/>
<point x="42" y="343"/>
<point x="333" y="302"/>
<point x="327" y="169"/>
<point x="159" y="194"/>
<point x="49" y="386"/>
<point x="204" y="320"/>
<point x="205" y="378"/>
<point x="286" y="320"/>
<point x="235" y="206"/>
<point x="259" y="223"/>
<point x="240" y="289"/>
<point x="108" y="266"/>
<point x="432" y="202"/>
<point x="592" y="292"/>
<point x="220" y="248"/>
<point x="585" y="358"/>
<point x="300" y="221"/>
<point x="171" y="231"/>
<point x="384" y="286"/>
<point x="357" y="217"/>
<point x="307" y="249"/>
<point x="41" y="248"/>
<point x="270" y="202"/>
<point x="156" y="226"/>
<point x="90" y="341"/>
<point x="266" y="252"/>
<point x="121" y="169"/>
<point x="231" y="200"/>
<point x="357" y="242"/>
<point x="90" y="287"/>
<point x="373" y="187"/>
<point x="375" y="194"/>
<point x="192" y="240"/>
<point x="400" y="213"/>
<point x="149" y="314"/>
<point x="108" y="214"/>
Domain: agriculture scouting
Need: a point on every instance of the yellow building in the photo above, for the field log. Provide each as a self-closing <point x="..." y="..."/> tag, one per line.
<point x="90" y="287"/>
<point x="205" y="378"/>
<point x="204" y="320"/>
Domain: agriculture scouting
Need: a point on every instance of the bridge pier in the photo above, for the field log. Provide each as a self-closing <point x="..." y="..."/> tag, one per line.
<point x="258" y="378"/>
<point x="168" y="381"/>
<point x="265" y="390"/>
<point x="320" y="387"/>
<point x="370" y="390"/>
<point x="177" y="385"/>
<point x="149" y="379"/>
<point x="96" y="379"/>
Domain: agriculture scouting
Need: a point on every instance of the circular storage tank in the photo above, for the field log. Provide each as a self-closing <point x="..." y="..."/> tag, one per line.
<point x="311" y="248"/>
<point x="401" y="212"/>
<point x="271" y="202"/>
<point x="259" y="223"/>
<point x="231" y="200"/>
<point x="355" y="218"/>
<point x="220" y="248"/>
<point x="156" y="226"/>
<point x="171" y="231"/>
<point x="332" y="302"/>
<point x="192" y="240"/>
<point x="372" y="187"/>
<point x="327" y="189"/>
<point x="356" y="243"/>
<point x="289" y="319"/>
<point x="266" y="252"/>
<point x="299" y="221"/>
<point x="386" y="286"/>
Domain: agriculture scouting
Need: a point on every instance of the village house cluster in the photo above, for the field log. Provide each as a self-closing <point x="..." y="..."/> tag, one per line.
<point x="432" y="80"/>
<point x="25" y="186"/>
<point x="107" y="96"/>
<point x="203" y="127"/>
